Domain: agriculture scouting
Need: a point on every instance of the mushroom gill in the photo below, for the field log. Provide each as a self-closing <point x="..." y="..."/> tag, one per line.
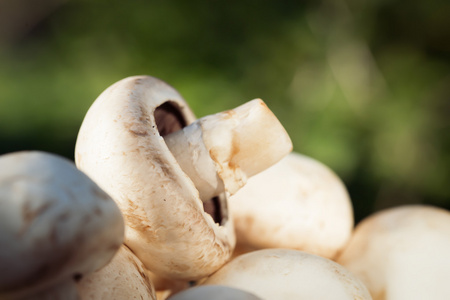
<point x="169" y="119"/>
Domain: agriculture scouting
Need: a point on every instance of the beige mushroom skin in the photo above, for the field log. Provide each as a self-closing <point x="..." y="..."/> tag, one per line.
<point x="56" y="226"/>
<point x="123" y="278"/>
<point x="220" y="152"/>
<point x="402" y="253"/>
<point x="120" y="145"/>
<point x="298" y="203"/>
<point x="289" y="274"/>
<point x="216" y="292"/>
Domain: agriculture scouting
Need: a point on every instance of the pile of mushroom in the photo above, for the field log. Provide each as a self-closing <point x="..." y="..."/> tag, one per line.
<point x="171" y="175"/>
<point x="167" y="206"/>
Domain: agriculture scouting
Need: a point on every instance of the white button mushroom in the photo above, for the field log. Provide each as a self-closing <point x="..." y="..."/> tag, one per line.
<point x="123" y="278"/>
<point x="402" y="253"/>
<point x="56" y="226"/>
<point x="216" y="292"/>
<point x="289" y="274"/>
<point x="121" y="146"/>
<point x="298" y="203"/>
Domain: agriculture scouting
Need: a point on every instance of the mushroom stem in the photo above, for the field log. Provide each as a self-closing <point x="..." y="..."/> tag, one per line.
<point x="188" y="148"/>
<point x="219" y="152"/>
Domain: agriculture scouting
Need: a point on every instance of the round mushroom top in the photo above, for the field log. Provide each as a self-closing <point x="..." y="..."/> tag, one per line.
<point x="402" y="253"/>
<point x="55" y="222"/>
<point x="216" y="292"/>
<point x="298" y="203"/>
<point x="289" y="274"/>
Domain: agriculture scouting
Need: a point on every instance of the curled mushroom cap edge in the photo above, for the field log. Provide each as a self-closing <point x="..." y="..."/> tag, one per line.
<point x="120" y="145"/>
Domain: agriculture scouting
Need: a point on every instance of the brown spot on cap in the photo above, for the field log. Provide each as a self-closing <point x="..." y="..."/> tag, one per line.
<point x="29" y="214"/>
<point x="139" y="132"/>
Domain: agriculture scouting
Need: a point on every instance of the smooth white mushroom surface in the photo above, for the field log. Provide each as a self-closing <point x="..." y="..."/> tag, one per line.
<point x="214" y="292"/>
<point x="298" y="203"/>
<point x="123" y="278"/>
<point x="56" y="226"/>
<point x="289" y="274"/>
<point x="220" y="152"/>
<point x="402" y="253"/>
<point x="121" y="145"/>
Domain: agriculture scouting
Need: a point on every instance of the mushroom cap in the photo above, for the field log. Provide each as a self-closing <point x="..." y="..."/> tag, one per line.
<point x="216" y="292"/>
<point x="402" y="253"/>
<point x="56" y="224"/>
<point x="123" y="278"/>
<point x="298" y="203"/>
<point x="289" y="274"/>
<point x="120" y="145"/>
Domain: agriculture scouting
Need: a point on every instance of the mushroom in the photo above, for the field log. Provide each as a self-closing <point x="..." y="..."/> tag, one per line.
<point x="298" y="203"/>
<point x="56" y="226"/>
<point x="216" y="292"/>
<point x="123" y="278"/>
<point x="402" y="253"/>
<point x="289" y="274"/>
<point x="171" y="176"/>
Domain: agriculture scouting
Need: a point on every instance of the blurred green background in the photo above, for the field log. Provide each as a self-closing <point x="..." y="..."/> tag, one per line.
<point x="362" y="86"/>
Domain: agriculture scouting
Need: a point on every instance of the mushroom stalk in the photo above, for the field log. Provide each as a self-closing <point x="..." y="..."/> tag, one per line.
<point x="221" y="151"/>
